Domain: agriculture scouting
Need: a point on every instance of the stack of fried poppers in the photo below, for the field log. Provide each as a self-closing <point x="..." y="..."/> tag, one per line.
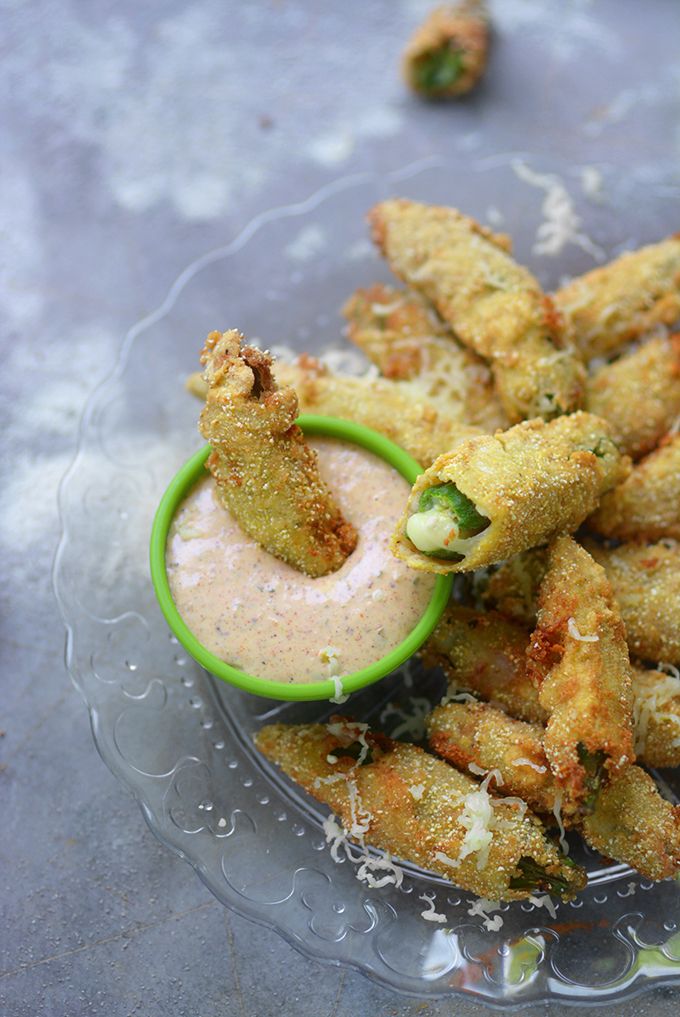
<point x="536" y="418"/>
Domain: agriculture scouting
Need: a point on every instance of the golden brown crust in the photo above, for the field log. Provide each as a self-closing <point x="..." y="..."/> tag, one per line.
<point x="656" y="713"/>
<point x="639" y="395"/>
<point x="266" y="475"/>
<point x="422" y="827"/>
<point x="532" y="482"/>
<point x="493" y="305"/>
<point x="460" y="29"/>
<point x="625" y="299"/>
<point x="405" y="338"/>
<point x="646" y="506"/>
<point x="578" y="659"/>
<point x="645" y="579"/>
<point x="486" y="653"/>
<point x="630" y="822"/>
<point x="395" y="409"/>
<point x="478" y="733"/>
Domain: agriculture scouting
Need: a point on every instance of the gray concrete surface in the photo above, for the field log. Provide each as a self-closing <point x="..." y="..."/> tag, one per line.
<point x="135" y="137"/>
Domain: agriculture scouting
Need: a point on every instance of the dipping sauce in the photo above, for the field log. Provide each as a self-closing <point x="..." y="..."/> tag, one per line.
<point x="266" y="618"/>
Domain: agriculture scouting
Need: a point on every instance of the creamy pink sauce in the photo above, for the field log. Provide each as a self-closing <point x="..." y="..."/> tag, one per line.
<point x="259" y="614"/>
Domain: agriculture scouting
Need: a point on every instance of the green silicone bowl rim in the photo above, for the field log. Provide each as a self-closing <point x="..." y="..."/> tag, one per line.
<point x="184" y="480"/>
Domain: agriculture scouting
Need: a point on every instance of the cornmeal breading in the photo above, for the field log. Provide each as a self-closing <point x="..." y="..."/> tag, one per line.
<point x="493" y="305"/>
<point x="623" y="300"/>
<point x="578" y="660"/>
<point x="266" y="474"/>
<point x="495" y="848"/>
<point x="639" y="395"/>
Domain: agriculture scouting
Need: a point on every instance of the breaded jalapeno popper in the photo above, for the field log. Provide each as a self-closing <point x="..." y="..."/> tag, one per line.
<point x="399" y="798"/>
<point x="578" y="659"/>
<point x="395" y="409"/>
<point x="622" y="300"/>
<point x="494" y="306"/>
<point x="495" y="495"/>
<point x="446" y="56"/>
<point x="265" y="473"/>
<point x="630" y="821"/>
<point x="407" y="340"/>
<point x="646" y="506"/>
<point x="639" y="395"/>
<point x="645" y="579"/>
<point x="485" y="654"/>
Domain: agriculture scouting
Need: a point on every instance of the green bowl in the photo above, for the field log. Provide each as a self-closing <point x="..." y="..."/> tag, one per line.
<point x="181" y="484"/>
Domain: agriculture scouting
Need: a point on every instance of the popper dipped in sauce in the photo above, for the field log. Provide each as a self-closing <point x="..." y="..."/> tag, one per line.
<point x="257" y="555"/>
<point x="266" y="474"/>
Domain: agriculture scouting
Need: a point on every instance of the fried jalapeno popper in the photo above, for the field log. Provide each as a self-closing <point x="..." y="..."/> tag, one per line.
<point x="639" y="395"/>
<point x="393" y="408"/>
<point x="485" y="652"/>
<point x="399" y="798"/>
<point x="578" y="659"/>
<point x="630" y="822"/>
<point x="407" y="340"/>
<point x="646" y="506"/>
<point x="496" y="495"/>
<point x="266" y="475"/>
<point x="446" y="56"/>
<point x="494" y="306"/>
<point x="621" y="301"/>
<point x="645" y="579"/>
<point x="656" y="715"/>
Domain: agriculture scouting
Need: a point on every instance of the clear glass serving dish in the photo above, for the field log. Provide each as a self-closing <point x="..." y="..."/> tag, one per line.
<point x="181" y="741"/>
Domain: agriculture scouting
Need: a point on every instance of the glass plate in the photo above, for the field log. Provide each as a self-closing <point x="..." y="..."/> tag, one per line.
<point x="181" y="741"/>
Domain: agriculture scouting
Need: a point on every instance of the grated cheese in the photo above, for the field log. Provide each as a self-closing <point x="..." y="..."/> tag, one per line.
<point x="522" y="761"/>
<point x="482" y="908"/>
<point x="455" y="694"/>
<point x="417" y="791"/>
<point x="430" y="915"/>
<point x="479" y="822"/>
<point x="337" y="837"/>
<point x="561" y="224"/>
<point x="557" y="813"/>
<point x="573" y="631"/>
<point x="383" y="310"/>
<point x="447" y="859"/>
<point x="412" y="724"/>
<point x="650" y="696"/>
<point x="479" y="771"/>
<point x="544" y="901"/>
<point x="339" y="696"/>
<point x="349" y="731"/>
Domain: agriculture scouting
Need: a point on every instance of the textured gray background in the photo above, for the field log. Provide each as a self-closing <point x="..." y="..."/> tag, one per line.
<point x="135" y="136"/>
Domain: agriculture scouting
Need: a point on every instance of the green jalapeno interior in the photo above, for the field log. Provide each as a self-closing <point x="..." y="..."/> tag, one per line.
<point x="437" y="71"/>
<point x="444" y="516"/>
<point x="534" y="877"/>
<point x="593" y="764"/>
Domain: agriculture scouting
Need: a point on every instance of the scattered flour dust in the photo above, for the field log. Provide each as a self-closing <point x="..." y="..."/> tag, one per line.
<point x="307" y="244"/>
